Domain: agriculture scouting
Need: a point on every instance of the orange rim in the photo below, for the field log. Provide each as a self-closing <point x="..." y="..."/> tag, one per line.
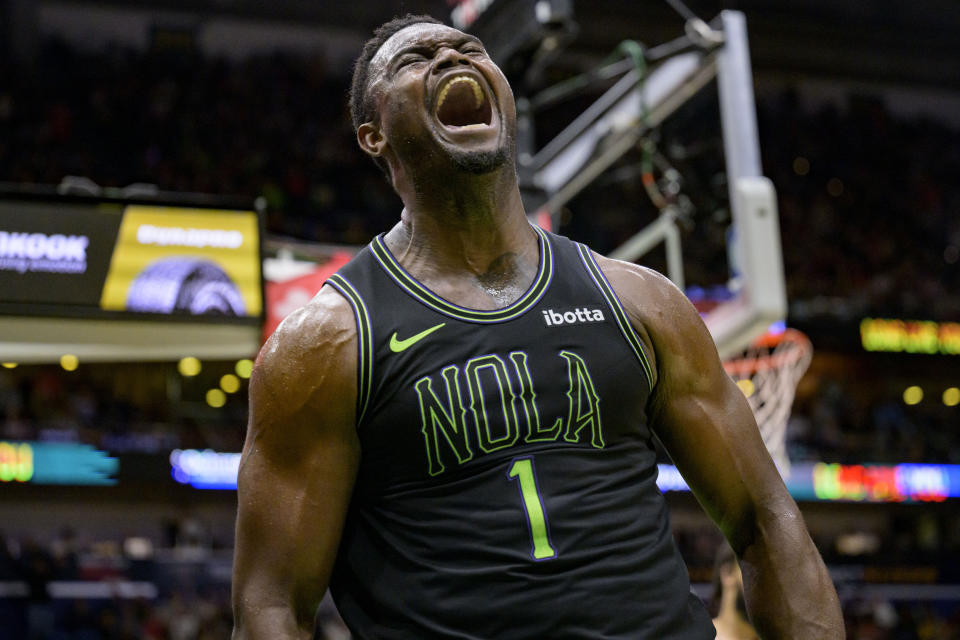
<point x="784" y="357"/>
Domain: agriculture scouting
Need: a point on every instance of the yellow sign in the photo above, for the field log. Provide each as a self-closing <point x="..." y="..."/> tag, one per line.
<point x="910" y="336"/>
<point x="189" y="261"/>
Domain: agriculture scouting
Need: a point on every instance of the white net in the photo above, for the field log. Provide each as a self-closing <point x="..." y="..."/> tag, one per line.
<point x="768" y="373"/>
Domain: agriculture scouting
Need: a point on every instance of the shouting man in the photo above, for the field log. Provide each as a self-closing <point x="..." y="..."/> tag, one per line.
<point x="456" y="434"/>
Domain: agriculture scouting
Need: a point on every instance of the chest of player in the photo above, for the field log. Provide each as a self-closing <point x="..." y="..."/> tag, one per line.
<point x="446" y="393"/>
<point x="443" y="389"/>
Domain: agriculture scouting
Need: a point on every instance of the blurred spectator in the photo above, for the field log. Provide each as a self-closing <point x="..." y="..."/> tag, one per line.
<point x="864" y="197"/>
<point x="866" y="203"/>
<point x="119" y="408"/>
<point x="728" y="605"/>
<point x="839" y="421"/>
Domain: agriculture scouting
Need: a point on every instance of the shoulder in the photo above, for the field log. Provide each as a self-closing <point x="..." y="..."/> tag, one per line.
<point x="664" y="319"/>
<point x="309" y="363"/>
<point x="641" y="290"/>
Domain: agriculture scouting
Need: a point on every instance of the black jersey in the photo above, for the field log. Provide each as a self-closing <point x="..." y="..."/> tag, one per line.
<point x="507" y="482"/>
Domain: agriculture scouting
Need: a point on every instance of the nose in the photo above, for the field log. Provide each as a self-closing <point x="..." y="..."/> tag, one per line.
<point x="447" y="58"/>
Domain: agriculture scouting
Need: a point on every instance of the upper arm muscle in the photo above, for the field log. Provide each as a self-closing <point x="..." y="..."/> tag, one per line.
<point x="297" y="469"/>
<point x="696" y="410"/>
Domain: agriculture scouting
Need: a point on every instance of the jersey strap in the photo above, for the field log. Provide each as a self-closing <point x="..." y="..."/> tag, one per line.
<point x="617" y="309"/>
<point x="364" y="341"/>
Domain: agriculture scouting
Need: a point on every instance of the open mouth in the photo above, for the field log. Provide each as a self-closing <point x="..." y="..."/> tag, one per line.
<point x="463" y="103"/>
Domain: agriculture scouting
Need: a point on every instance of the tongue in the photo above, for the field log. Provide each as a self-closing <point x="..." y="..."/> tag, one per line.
<point x="460" y="109"/>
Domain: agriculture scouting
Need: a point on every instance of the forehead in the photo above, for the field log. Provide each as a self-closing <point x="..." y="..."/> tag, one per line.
<point x="425" y="34"/>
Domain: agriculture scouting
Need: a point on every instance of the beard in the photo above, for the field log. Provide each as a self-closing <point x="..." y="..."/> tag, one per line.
<point x="479" y="162"/>
<point x="427" y="159"/>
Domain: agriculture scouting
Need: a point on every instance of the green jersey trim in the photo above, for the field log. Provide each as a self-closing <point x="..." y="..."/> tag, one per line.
<point x="596" y="274"/>
<point x="364" y="341"/>
<point x="413" y="287"/>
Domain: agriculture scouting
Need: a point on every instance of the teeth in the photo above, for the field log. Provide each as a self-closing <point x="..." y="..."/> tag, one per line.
<point x="477" y="91"/>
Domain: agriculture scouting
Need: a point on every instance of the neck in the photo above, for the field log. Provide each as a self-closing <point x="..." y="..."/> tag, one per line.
<point x="464" y="223"/>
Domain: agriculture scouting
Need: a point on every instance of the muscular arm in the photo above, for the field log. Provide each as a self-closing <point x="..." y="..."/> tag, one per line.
<point x="709" y="430"/>
<point x="297" y="470"/>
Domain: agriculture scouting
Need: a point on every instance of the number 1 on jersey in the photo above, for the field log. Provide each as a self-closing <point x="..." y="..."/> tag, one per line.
<point x="522" y="469"/>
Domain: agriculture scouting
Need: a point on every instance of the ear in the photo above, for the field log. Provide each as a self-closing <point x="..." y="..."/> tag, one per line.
<point x="371" y="139"/>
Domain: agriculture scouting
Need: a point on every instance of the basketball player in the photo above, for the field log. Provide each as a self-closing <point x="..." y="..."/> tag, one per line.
<point x="728" y="603"/>
<point x="456" y="434"/>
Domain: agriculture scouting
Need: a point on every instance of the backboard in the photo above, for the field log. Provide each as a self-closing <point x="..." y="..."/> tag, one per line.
<point x="639" y="103"/>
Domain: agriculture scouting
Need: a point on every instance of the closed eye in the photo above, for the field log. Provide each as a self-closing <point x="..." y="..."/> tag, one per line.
<point x="410" y="58"/>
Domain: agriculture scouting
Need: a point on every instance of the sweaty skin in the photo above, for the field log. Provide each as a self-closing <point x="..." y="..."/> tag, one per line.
<point x="465" y="236"/>
<point x="298" y="466"/>
<point x="706" y="425"/>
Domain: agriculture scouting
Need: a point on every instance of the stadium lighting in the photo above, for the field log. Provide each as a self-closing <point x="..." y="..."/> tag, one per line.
<point x="835" y="187"/>
<point x="216" y="398"/>
<point x="951" y="397"/>
<point x="189" y="367"/>
<point x="244" y="368"/>
<point x="230" y="383"/>
<point x="69" y="362"/>
<point x="912" y="395"/>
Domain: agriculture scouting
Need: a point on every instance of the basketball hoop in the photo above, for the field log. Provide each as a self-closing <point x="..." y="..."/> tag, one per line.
<point x="768" y="373"/>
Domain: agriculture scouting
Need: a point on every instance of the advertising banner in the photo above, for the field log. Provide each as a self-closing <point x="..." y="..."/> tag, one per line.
<point x="55" y="253"/>
<point x="286" y="296"/>
<point x="833" y="482"/>
<point x="194" y="261"/>
<point x="107" y="258"/>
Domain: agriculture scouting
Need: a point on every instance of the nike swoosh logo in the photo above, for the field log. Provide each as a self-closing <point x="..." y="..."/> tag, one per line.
<point x="402" y="345"/>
